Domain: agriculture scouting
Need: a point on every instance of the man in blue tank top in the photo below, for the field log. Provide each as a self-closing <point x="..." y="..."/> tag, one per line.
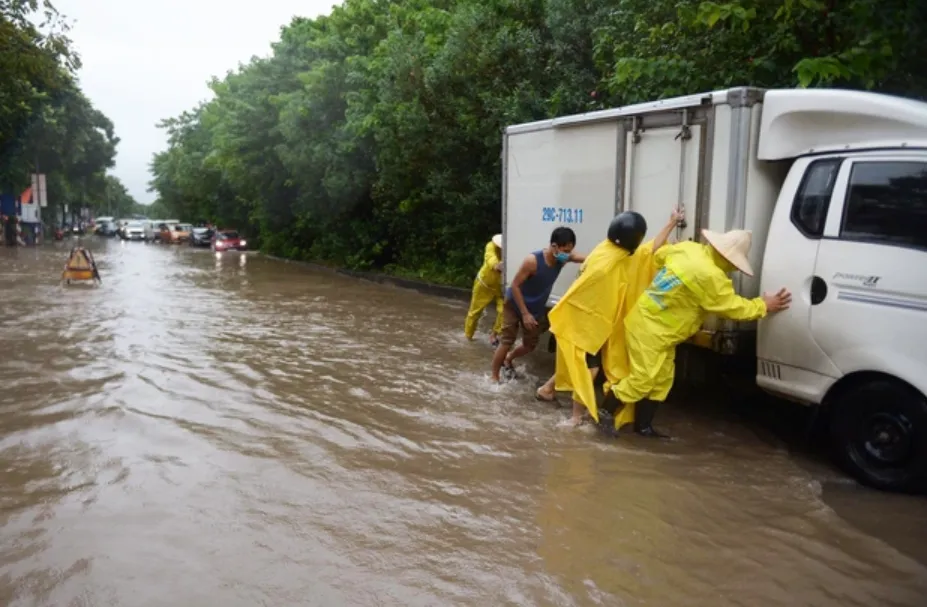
<point x="526" y="300"/>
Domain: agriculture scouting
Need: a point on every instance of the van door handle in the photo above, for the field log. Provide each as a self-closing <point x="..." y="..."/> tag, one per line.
<point x="818" y="290"/>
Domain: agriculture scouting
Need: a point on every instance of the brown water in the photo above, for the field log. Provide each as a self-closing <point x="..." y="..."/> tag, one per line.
<point x="242" y="431"/>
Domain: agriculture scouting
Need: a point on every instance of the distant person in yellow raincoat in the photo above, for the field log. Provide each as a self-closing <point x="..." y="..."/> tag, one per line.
<point x="588" y="321"/>
<point x="487" y="287"/>
<point x="692" y="282"/>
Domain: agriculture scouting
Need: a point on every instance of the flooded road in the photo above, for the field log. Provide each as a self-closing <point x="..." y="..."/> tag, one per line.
<point x="201" y="431"/>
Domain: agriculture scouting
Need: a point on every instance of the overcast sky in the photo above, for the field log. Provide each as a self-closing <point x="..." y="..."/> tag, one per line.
<point x="144" y="60"/>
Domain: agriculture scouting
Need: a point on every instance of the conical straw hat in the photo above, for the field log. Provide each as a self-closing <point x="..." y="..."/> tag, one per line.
<point x="733" y="246"/>
<point x="497" y="240"/>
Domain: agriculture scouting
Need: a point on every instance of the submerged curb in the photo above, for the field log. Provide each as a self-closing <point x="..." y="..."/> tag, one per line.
<point x="421" y="286"/>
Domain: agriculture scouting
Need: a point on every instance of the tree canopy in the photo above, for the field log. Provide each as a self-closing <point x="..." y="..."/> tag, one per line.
<point x="370" y="137"/>
<point x="46" y="122"/>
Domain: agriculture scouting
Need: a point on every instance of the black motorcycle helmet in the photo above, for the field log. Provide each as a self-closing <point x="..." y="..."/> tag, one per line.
<point x="627" y="230"/>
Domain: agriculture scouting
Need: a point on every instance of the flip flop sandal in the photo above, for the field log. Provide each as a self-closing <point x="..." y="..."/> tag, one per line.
<point x="508" y="371"/>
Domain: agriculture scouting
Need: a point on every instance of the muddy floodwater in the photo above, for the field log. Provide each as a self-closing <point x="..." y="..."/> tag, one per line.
<point x="240" y="431"/>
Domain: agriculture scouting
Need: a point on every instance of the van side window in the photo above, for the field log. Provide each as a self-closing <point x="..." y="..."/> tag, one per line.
<point x="809" y="209"/>
<point x="887" y="204"/>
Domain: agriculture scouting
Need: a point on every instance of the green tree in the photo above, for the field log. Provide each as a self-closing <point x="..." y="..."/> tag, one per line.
<point x="74" y="144"/>
<point x="650" y="50"/>
<point x="46" y="122"/>
<point x="34" y="65"/>
<point x="116" y="200"/>
<point x="370" y="138"/>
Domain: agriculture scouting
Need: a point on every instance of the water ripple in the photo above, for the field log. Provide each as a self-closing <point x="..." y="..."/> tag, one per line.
<point x="259" y="433"/>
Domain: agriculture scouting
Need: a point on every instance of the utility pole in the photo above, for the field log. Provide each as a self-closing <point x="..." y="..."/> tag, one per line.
<point x="36" y="199"/>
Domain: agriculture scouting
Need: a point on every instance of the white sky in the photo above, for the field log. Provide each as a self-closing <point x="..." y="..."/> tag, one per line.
<point x="144" y="60"/>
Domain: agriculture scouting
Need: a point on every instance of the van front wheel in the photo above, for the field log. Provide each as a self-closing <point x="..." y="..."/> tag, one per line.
<point x="879" y="435"/>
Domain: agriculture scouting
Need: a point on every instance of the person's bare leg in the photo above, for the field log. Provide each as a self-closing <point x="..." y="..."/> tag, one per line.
<point x="497" y="359"/>
<point x="548" y="392"/>
<point x="579" y="410"/>
<point x="518" y="352"/>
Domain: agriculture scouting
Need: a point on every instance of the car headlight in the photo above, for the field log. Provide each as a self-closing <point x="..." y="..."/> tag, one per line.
<point x="243" y="243"/>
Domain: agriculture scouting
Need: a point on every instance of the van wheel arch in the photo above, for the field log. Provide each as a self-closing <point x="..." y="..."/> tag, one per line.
<point x="878" y="431"/>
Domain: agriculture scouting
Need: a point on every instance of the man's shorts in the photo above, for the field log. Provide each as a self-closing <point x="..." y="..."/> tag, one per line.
<point x="511" y="322"/>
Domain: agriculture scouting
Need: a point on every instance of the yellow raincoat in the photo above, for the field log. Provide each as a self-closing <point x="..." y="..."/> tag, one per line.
<point x="692" y="283"/>
<point x="486" y="287"/>
<point x="590" y="317"/>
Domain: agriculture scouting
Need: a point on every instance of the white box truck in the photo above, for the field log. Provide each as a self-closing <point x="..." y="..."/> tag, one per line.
<point x="833" y="184"/>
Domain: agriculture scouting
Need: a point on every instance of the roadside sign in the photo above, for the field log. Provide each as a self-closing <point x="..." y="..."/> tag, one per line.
<point x="30" y="213"/>
<point x="39" y="192"/>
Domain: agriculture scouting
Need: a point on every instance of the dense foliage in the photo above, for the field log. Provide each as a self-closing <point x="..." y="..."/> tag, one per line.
<point x="371" y="137"/>
<point x="46" y="122"/>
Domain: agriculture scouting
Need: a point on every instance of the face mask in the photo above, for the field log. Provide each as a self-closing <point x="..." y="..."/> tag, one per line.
<point x="562" y="257"/>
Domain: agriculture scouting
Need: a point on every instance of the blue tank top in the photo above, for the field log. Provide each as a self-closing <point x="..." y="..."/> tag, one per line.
<point x="536" y="290"/>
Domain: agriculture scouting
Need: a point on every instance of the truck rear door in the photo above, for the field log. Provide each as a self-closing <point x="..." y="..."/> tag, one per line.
<point x="662" y="168"/>
<point x="557" y="177"/>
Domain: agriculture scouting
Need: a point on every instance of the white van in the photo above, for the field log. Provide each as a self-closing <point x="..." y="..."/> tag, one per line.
<point x="153" y="229"/>
<point x="833" y="184"/>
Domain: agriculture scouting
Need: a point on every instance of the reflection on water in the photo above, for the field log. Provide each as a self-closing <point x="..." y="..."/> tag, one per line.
<point x="226" y="429"/>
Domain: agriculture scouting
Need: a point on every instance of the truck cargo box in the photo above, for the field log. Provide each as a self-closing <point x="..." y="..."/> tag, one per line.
<point x="698" y="152"/>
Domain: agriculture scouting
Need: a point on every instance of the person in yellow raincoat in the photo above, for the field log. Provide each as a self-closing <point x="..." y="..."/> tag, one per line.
<point x="487" y="287"/>
<point x="588" y="321"/>
<point x="692" y="282"/>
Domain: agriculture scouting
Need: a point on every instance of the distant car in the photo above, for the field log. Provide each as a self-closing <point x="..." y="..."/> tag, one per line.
<point x="228" y="240"/>
<point x="201" y="237"/>
<point x="106" y="228"/>
<point x="175" y="233"/>
<point x="163" y="232"/>
<point x="166" y="233"/>
<point x="121" y="227"/>
<point x="182" y="232"/>
<point x="154" y="226"/>
<point x="133" y="230"/>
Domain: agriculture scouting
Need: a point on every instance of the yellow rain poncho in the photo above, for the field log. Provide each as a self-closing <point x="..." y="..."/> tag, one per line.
<point x="486" y="287"/>
<point x="692" y="283"/>
<point x="590" y="317"/>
